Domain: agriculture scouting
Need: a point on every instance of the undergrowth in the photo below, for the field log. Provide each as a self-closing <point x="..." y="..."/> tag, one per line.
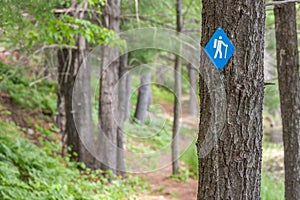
<point x="272" y="186"/>
<point x="27" y="92"/>
<point x="31" y="172"/>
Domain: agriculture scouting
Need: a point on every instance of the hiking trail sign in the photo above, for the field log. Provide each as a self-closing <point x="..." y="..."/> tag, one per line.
<point x="219" y="49"/>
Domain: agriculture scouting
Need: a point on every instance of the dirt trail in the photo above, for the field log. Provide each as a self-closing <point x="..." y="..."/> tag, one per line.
<point x="165" y="188"/>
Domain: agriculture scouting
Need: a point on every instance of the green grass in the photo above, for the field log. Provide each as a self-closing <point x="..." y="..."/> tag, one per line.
<point x="272" y="188"/>
<point x="162" y="94"/>
<point x="189" y="157"/>
<point x="154" y="135"/>
<point x="31" y="172"/>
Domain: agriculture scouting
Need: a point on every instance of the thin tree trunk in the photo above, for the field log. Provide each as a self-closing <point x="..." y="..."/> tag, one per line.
<point x="128" y="96"/>
<point x="122" y="113"/>
<point x="144" y="98"/>
<point x="82" y="106"/>
<point x="176" y="121"/>
<point x="177" y="109"/>
<point x="289" y="89"/>
<point x="108" y="102"/>
<point x="61" y="113"/>
<point x="66" y="81"/>
<point x="232" y="169"/>
<point x="193" y="102"/>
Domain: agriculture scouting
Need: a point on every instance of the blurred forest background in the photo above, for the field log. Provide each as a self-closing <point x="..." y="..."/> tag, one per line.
<point x="39" y="157"/>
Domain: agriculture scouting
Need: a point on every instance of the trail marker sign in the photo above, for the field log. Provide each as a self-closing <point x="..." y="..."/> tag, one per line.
<point x="219" y="49"/>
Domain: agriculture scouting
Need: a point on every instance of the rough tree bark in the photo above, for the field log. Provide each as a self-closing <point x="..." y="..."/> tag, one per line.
<point x="177" y="89"/>
<point x="108" y="103"/>
<point x="232" y="169"/>
<point x="289" y="89"/>
<point x="144" y="97"/>
<point x="69" y="62"/>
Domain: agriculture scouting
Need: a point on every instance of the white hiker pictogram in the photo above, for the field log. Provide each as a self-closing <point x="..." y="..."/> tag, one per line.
<point x="218" y="43"/>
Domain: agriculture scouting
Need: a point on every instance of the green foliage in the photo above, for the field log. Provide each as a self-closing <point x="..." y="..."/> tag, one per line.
<point x="189" y="156"/>
<point x="155" y="135"/>
<point x="271" y="99"/>
<point x="63" y="30"/>
<point x="142" y="56"/>
<point x="30" y="172"/>
<point x="41" y="96"/>
<point x="29" y="24"/>
<point x="183" y="175"/>
<point x="272" y="188"/>
<point x="162" y="93"/>
<point x="153" y="13"/>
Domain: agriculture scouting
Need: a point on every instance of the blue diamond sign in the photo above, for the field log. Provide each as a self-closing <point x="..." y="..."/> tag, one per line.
<point x="219" y="49"/>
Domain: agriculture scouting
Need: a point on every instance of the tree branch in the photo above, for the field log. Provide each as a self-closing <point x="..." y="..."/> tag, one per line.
<point x="275" y="3"/>
<point x="53" y="46"/>
<point x="68" y="10"/>
<point x="152" y="21"/>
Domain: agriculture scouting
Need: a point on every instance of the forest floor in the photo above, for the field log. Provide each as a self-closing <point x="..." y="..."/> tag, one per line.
<point x="162" y="186"/>
<point x="165" y="188"/>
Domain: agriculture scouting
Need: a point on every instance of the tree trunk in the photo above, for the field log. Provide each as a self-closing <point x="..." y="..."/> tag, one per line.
<point x="193" y="102"/>
<point x="177" y="104"/>
<point x="108" y="102"/>
<point x="82" y="106"/>
<point x="289" y="89"/>
<point x="232" y="169"/>
<point x="144" y="98"/>
<point x="128" y="96"/>
<point x="121" y="113"/>
<point x="61" y="113"/>
<point x="66" y="79"/>
<point x="69" y="62"/>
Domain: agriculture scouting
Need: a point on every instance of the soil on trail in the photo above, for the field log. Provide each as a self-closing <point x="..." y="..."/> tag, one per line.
<point x="165" y="188"/>
<point x="162" y="186"/>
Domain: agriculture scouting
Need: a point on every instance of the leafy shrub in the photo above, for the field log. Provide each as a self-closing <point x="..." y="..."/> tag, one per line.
<point x="41" y="96"/>
<point x="30" y="172"/>
<point x="189" y="157"/>
<point x="162" y="93"/>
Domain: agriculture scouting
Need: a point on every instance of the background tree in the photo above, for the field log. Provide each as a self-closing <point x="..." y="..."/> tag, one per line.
<point x="76" y="108"/>
<point x="193" y="101"/>
<point x="108" y="103"/>
<point x="144" y="97"/>
<point x="123" y="108"/>
<point x="232" y="169"/>
<point x="177" y="103"/>
<point x="289" y="89"/>
<point x="62" y="25"/>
